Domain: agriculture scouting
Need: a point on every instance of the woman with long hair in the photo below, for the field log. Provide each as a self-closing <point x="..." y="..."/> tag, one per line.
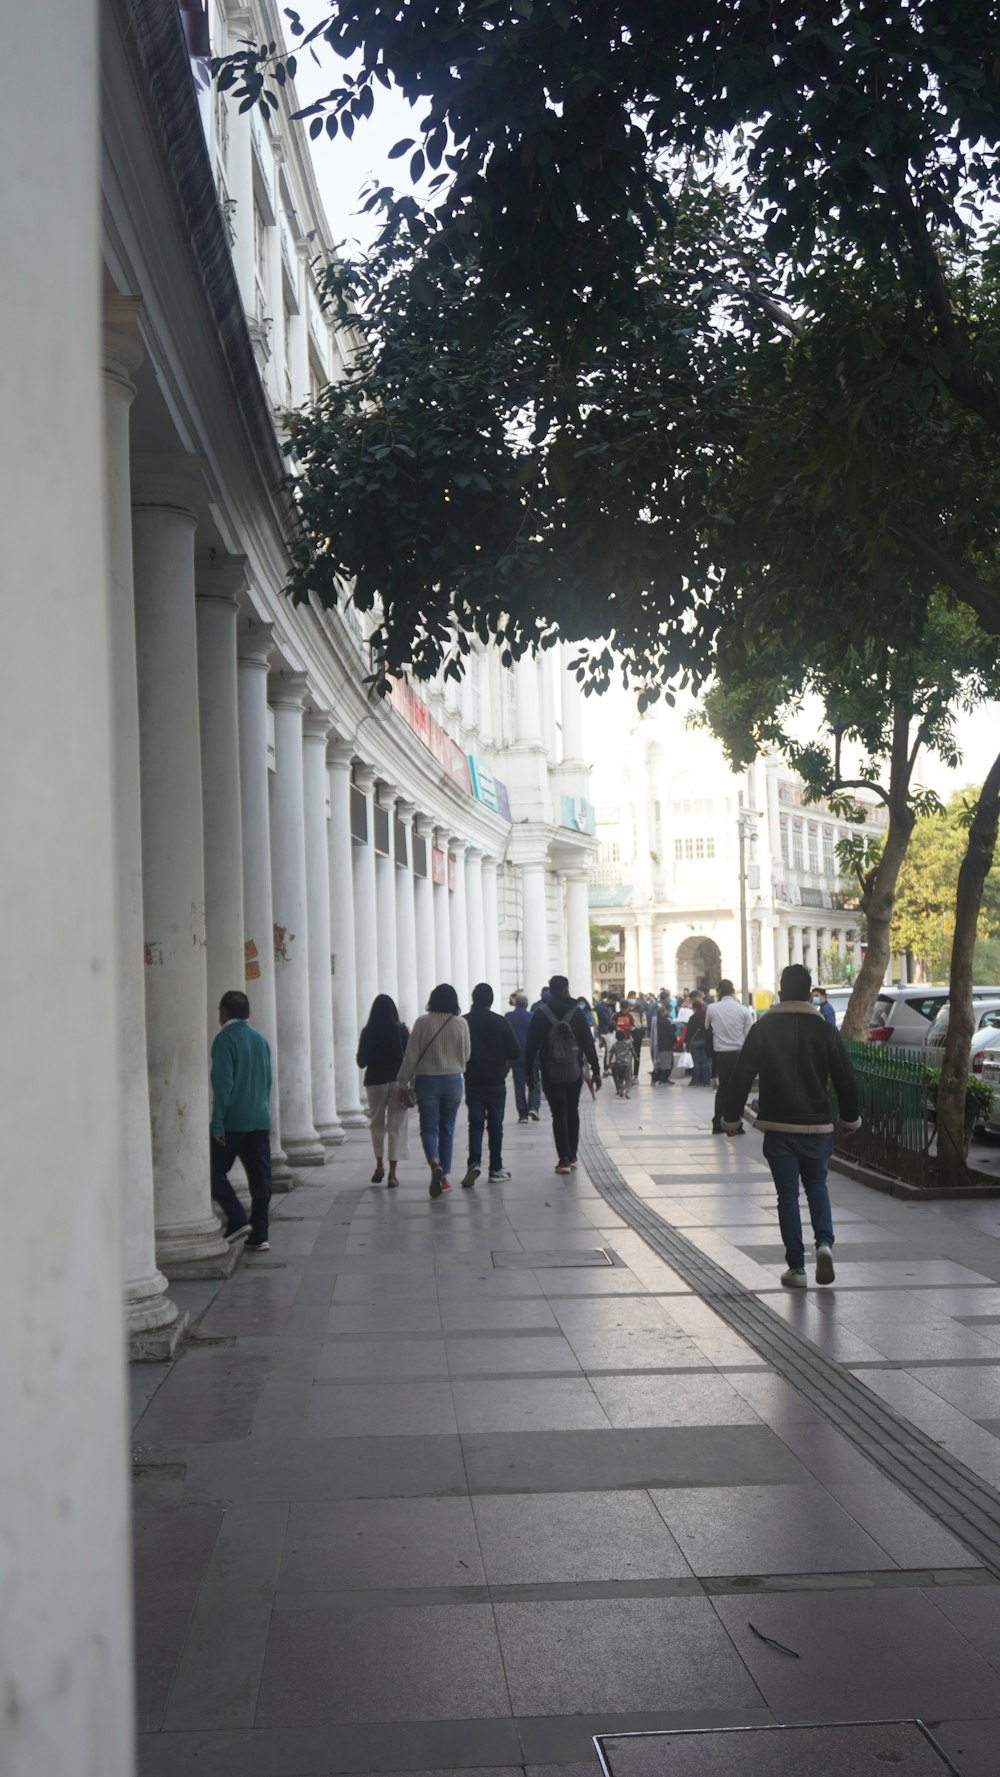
<point x="434" y="1063"/>
<point x="381" y="1048"/>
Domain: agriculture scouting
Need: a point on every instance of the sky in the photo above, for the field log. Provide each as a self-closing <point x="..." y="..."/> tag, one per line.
<point x="343" y="167"/>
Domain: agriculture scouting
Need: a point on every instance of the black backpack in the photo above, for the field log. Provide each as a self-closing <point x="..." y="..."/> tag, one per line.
<point x="563" y="1063"/>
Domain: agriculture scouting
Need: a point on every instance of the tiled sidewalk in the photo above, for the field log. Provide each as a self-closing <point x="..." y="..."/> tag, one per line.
<point x="402" y="1506"/>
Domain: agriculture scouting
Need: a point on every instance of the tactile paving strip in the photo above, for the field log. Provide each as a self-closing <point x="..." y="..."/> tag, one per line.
<point x="944" y="1487"/>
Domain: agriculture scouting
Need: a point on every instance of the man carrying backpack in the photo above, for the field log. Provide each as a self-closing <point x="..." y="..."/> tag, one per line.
<point x="560" y="1039"/>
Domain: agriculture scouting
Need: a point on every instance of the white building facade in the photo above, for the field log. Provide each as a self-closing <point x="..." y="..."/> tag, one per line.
<point x="280" y="828"/>
<point x="667" y="876"/>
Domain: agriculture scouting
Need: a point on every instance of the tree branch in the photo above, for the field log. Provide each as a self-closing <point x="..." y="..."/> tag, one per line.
<point x="972" y="394"/>
<point x="982" y="596"/>
<point x="767" y="304"/>
<point x="860" y="783"/>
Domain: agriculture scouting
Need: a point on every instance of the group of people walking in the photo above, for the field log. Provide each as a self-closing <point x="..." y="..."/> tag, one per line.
<point x="448" y="1056"/>
<point x="794" y="1052"/>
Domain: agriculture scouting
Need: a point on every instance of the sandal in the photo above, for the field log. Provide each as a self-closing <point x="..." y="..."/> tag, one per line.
<point x="379" y="1174"/>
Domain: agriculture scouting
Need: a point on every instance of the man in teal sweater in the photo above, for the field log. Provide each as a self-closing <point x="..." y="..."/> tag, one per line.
<point x="241" y="1120"/>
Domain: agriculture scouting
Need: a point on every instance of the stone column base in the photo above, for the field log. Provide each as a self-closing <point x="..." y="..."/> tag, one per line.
<point x="157" y="1345"/>
<point x="354" y="1119"/>
<point x="190" y="1253"/>
<point x="306" y="1153"/>
<point x="330" y="1134"/>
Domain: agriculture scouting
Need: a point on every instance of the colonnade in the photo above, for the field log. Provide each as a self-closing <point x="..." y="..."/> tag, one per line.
<point x="240" y="866"/>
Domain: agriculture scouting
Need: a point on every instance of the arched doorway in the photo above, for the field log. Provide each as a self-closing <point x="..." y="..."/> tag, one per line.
<point x="699" y="963"/>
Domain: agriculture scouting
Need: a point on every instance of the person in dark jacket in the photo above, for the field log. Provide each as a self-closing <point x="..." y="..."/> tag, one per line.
<point x="563" y="1095"/>
<point x="795" y="1054"/>
<point x="527" y="1102"/>
<point x="241" y="1120"/>
<point x="695" y="1038"/>
<point x="494" y="1048"/>
<point x="381" y="1048"/>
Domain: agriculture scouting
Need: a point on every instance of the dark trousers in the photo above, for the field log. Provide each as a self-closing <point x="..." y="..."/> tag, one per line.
<point x="253" y="1148"/>
<point x="485" y="1105"/>
<point x="725" y="1066"/>
<point x="564" y="1103"/>
<point x="793" y="1158"/>
<point x="524" y="1099"/>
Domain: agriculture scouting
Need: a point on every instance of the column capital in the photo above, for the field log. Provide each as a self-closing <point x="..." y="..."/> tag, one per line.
<point x="287" y="690"/>
<point x="473" y="854"/>
<point x="254" y="643"/>
<point x="316" y="725"/>
<point x="425" y="827"/>
<point x="457" y="844"/>
<point x="175" y="480"/>
<point x="123" y="347"/>
<point x="223" y="578"/>
<point x="577" y="874"/>
<point x="385" y="794"/>
<point x="364" y="777"/>
<point x="405" y="811"/>
<point x="339" y="754"/>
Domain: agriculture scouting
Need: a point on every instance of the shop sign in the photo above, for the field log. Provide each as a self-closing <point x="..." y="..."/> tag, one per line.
<point x="439" y="867"/>
<point x="484" y="786"/>
<point x="451" y="873"/>
<point x="578" y="814"/>
<point x="417" y="716"/>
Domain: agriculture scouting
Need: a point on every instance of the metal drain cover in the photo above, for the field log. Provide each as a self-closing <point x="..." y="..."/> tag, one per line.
<point x="844" y="1749"/>
<point x="552" y="1261"/>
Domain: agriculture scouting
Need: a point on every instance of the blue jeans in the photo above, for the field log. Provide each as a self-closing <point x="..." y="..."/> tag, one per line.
<point x="438" y="1099"/>
<point x="485" y="1105"/>
<point x="526" y="1101"/>
<point x="702" y="1075"/>
<point x="791" y="1158"/>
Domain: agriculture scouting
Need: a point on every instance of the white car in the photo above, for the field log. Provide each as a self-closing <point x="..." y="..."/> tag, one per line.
<point x="986" y="1014"/>
<point x="986" y="1066"/>
<point x="903" y="1015"/>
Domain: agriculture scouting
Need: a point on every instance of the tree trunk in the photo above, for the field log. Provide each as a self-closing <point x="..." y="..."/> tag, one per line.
<point x="878" y="901"/>
<point x="975" y="867"/>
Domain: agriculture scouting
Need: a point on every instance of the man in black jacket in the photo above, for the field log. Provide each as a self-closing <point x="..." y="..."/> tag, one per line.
<point x="494" y="1047"/>
<point x="563" y="1094"/>
<point x="795" y="1054"/>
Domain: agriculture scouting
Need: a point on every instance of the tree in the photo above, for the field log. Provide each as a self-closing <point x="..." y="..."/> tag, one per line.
<point x="924" y="914"/>
<point x="972" y="876"/>
<point x="882" y="698"/>
<point x="654" y="382"/>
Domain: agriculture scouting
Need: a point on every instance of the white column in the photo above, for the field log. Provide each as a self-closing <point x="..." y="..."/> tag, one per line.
<point x="222" y="826"/>
<point x="474" y="916"/>
<point x="342" y="940"/>
<point x="65" y="1626"/>
<point x="796" y="932"/>
<point x="424" y="894"/>
<point x="578" y="933"/>
<point x="188" y="1239"/>
<point x="780" y="940"/>
<point x="459" y="925"/>
<point x="254" y="647"/>
<point x="299" y="342"/>
<point x="534" y="929"/>
<point x="151" y="1319"/>
<point x="385" y="901"/>
<point x="645" y="983"/>
<point x="406" y="923"/>
<point x="365" y="921"/>
<point x="491" y="924"/>
<point x="442" y="918"/>
<point x="528" y="709"/>
<point x="315" y="790"/>
<point x="572" y="708"/>
<point x="240" y="173"/>
<point x="287" y="691"/>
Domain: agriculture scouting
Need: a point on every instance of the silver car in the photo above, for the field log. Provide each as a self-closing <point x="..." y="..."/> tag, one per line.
<point x="903" y="1015"/>
<point x="987" y="1023"/>
<point x="986" y="1066"/>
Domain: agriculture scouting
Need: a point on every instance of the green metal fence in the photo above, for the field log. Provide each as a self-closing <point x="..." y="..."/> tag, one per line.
<point x="893" y="1137"/>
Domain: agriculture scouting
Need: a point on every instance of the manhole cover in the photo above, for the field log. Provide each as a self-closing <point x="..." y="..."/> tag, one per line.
<point x="844" y="1749"/>
<point x="552" y="1261"/>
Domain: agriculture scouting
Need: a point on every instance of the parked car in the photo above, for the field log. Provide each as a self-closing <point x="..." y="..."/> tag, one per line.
<point x="904" y="1015"/>
<point x="986" y="1066"/>
<point x="987" y="1019"/>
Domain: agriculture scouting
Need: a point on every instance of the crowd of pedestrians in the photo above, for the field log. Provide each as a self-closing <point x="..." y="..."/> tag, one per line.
<point x="556" y="1047"/>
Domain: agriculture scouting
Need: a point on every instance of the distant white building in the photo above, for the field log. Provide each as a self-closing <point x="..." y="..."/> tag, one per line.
<point x="667" y="877"/>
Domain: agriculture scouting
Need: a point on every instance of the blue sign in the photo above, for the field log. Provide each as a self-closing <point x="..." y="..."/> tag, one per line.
<point x="577" y="813"/>
<point x="488" y="789"/>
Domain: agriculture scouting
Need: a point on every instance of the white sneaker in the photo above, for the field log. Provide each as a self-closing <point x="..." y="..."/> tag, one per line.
<point x="499" y="1178"/>
<point x="824" y="1265"/>
<point x="795" y="1280"/>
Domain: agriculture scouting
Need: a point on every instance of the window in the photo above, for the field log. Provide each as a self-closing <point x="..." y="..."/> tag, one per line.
<point x="813" y="838"/>
<point x="710" y="848"/>
<point x="796" y="845"/>
<point x="609" y="852"/>
<point x="260" y="246"/>
<point x="699" y="848"/>
<point x="692" y="848"/>
<point x="829" y="855"/>
<point x="678" y="848"/>
<point x="786" y="855"/>
<point x="689" y="848"/>
<point x="476" y="680"/>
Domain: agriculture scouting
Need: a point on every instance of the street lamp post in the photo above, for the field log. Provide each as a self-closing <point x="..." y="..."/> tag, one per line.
<point x="746" y="828"/>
